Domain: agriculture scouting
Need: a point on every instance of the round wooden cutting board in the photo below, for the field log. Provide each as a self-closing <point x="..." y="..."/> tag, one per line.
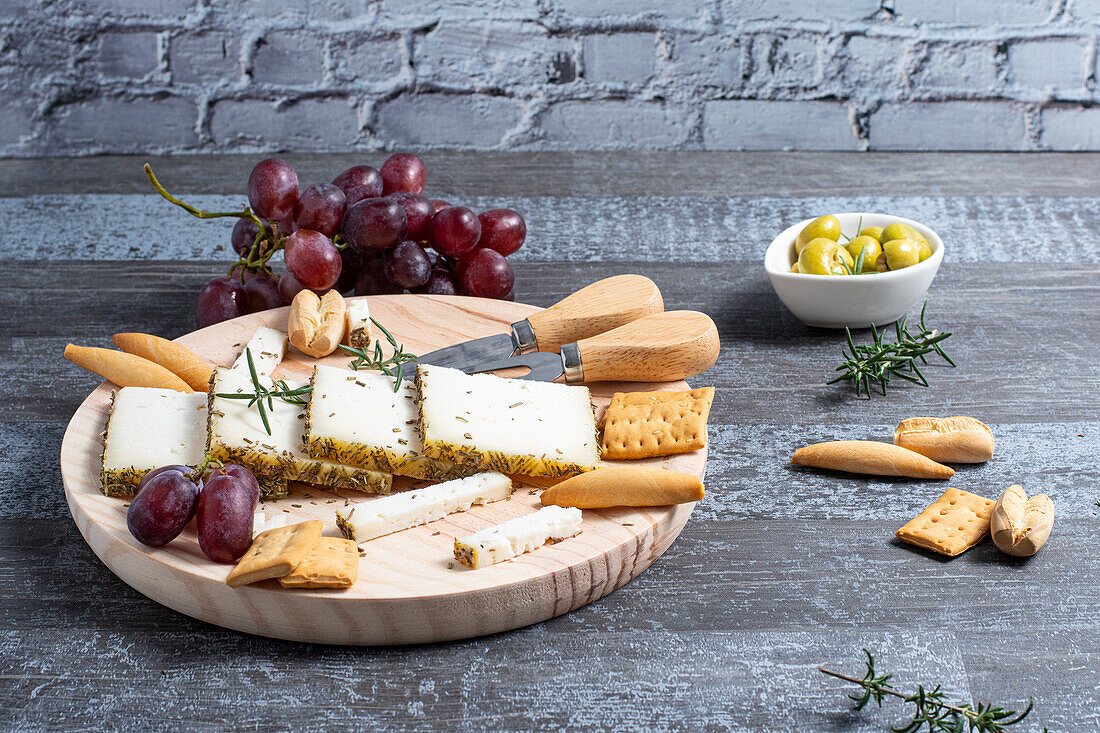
<point x="410" y="588"/>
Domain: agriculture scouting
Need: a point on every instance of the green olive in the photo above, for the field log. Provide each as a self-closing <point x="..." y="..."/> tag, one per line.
<point x="823" y="227"/>
<point x="898" y="230"/>
<point x="901" y="253"/>
<point x="874" y="233"/>
<point x="925" y="251"/>
<point x="823" y="256"/>
<point x="871" y="250"/>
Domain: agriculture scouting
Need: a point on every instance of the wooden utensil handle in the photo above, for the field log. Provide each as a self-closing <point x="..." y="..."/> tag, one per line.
<point x="596" y="308"/>
<point x="663" y="347"/>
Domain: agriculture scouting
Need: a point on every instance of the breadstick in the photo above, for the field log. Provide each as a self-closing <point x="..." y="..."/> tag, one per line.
<point x="177" y="359"/>
<point x="625" y="486"/>
<point x="125" y="370"/>
<point x="868" y="456"/>
<point x="948" y="440"/>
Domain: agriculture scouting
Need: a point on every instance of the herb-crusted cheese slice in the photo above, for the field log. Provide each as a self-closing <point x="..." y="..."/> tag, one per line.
<point x="149" y="428"/>
<point x="358" y="323"/>
<point x="507" y="425"/>
<point x="237" y="435"/>
<point x="367" y="520"/>
<point x="517" y="536"/>
<point x="356" y="418"/>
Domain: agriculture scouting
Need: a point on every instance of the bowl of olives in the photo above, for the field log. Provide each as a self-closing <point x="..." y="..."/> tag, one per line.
<point x="853" y="269"/>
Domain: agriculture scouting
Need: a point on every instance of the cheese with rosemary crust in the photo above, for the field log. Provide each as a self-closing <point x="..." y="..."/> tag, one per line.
<point x="508" y="425"/>
<point x="149" y="428"/>
<point x="357" y="316"/>
<point x="517" y="536"/>
<point x="367" y="520"/>
<point x="356" y="418"/>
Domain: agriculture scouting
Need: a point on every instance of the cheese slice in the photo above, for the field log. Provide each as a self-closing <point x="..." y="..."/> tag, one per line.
<point x="507" y="425"/>
<point x="149" y="428"/>
<point x="357" y="317"/>
<point x="356" y="418"/>
<point x="268" y="347"/>
<point x="517" y="536"/>
<point x="237" y="435"/>
<point x="367" y="520"/>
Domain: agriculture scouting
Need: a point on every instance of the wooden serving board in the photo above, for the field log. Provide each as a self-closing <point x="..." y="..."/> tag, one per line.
<point x="410" y="589"/>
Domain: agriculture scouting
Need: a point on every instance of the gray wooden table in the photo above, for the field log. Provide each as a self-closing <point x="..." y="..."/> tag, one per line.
<point x="779" y="569"/>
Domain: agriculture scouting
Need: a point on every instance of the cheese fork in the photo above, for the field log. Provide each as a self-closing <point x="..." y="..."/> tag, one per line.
<point x="662" y="347"/>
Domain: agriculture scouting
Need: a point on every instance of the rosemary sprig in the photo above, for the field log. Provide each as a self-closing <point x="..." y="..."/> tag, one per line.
<point x="279" y="390"/>
<point x="879" y="361"/>
<point x="394" y="365"/>
<point x="932" y="709"/>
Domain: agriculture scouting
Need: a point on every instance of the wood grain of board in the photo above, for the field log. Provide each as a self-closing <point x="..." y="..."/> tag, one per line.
<point x="411" y="590"/>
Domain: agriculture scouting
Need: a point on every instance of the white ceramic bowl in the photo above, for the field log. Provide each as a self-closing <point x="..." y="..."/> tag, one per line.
<point x="857" y="301"/>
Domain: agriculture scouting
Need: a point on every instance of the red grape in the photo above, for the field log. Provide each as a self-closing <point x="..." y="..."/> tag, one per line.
<point x="407" y="265"/>
<point x="312" y="259"/>
<point x="273" y="189"/>
<point x="359" y="176"/>
<point x="439" y="204"/>
<point x="225" y="515"/>
<point x="263" y="293"/>
<point x="158" y="471"/>
<point x="355" y="194"/>
<point x="243" y="475"/>
<point x="502" y="230"/>
<point x="403" y="172"/>
<point x="220" y="300"/>
<point x="511" y="296"/>
<point x="454" y="231"/>
<point x="418" y="213"/>
<point x="164" y="504"/>
<point x="244" y="236"/>
<point x="320" y="208"/>
<point x="374" y="225"/>
<point x="350" y="265"/>
<point x="244" y="274"/>
<point x="373" y="281"/>
<point x="488" y="275"/>
<point x="289" y="287"/>
<point x="441" y="282"/>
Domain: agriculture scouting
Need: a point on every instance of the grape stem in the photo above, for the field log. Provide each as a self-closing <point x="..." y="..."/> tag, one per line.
<point x="207" y="461"/>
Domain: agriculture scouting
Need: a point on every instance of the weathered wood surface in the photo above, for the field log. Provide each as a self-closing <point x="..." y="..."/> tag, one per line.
<point x="779" y="570"/>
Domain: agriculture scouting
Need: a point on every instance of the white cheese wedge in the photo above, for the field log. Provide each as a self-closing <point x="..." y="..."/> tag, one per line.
<point x="517" y="536"/>
<point x="370" y="519"/>
<point x="261" y="522"/>
<point x="149" y="428"/>
<point x="268" y="347"/>
<point x="357" y="316"/>
<point x="237" y="435"/>
<point x="507" y="425"/>
<point x="356" y="418"/>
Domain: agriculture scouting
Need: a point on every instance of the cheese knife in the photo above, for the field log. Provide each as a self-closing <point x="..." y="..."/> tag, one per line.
<point x="595" y="308"/>
<point x="662" y="347"/>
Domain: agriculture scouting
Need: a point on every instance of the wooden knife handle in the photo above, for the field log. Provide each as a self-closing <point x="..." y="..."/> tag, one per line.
<point x="595" y="308"/>
<point x="663" y="347"/>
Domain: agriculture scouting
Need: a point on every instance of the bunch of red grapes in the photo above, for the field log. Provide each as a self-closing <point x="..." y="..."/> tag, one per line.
<point x="371" y="231"/>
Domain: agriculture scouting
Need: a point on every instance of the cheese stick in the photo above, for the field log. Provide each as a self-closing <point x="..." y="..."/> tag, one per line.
<point x="625" y="486"/>
<point x="125" y="370"/>
<point x="177" y="359"/>
<point x="517" y="536"/>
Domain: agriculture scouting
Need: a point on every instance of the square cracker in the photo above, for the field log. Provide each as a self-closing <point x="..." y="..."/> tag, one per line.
<point x="951" y="524"/>
<point x="648" y="424"/>
<point x="275" y="553"/>
<point x="333" y="562"/>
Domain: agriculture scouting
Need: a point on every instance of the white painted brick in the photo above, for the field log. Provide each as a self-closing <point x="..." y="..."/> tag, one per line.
<point x="10" y="9"/>
<point x="840" y="10"/>
<point x="288" y="57"/>
<point x="144" y="9"/>
<point x="973" y="12"/>
<point x="127" y="54"/>
<point x="623" y="58"/>
<point x="947" y="126"/>
<point x="785" y="61"/>
<point x="426" y="12"/>
<point x="614" y="125"/>
<point x="710" y="60"/>
<point x="672" y="9"/>
<point x="16" y="123"/>
<point x="1070" y="129"/>
<point x="965" y="67"/>
<point x="868" y="65"/>
<point x="1048" y="63"/>
<point x="230" y="13"/>
<point x="204" y="57"/>
<point x="1085" y="9"/>
<point x="461" y="54"/>
<point x="306" y="126"/>
<point x="123" y="125"/>
<point x="372" y="61"/>
<point x="765" y="125"/>
<point x="469" y="121"/>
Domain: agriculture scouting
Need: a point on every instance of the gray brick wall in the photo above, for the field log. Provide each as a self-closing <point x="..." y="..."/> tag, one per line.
<point x="155" y="76"/>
